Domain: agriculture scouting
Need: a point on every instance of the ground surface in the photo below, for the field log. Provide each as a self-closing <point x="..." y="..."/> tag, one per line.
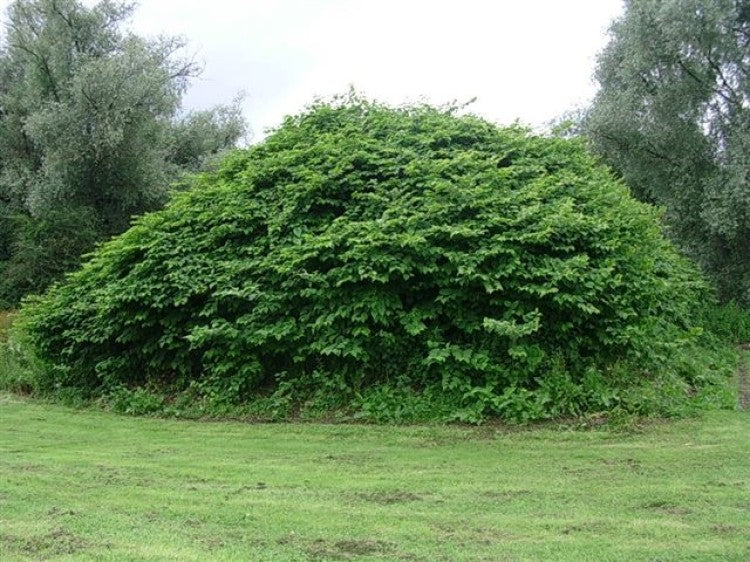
<point x="83" y="485"/>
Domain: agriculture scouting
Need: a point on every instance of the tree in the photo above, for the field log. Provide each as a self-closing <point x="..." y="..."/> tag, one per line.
<point x="672" y="116"/>
<point x="90" y="133"/>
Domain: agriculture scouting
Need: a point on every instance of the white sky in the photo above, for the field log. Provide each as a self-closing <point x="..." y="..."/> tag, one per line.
<point x="522" y="59"/>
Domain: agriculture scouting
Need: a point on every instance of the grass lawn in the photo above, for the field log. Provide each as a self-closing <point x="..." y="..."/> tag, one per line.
<point x="88" y="485"/>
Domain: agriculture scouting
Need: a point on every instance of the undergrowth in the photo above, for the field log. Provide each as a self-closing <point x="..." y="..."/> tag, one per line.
<point x="697" y="378"/>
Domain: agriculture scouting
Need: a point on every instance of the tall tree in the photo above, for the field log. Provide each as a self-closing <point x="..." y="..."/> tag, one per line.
<point x="90" y="133"/>
<point x="673" y="117"/>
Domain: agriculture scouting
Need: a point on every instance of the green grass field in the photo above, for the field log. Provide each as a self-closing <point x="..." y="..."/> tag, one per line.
<point x="89" y="485"/>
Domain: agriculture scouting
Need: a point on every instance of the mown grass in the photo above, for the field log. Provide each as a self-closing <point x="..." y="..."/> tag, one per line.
<point x="90" y="485"/>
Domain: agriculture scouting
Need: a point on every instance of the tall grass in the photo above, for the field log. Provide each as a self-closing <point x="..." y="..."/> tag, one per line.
<point x="19" y="368"/>
<point x="6" y="319"/>
<point x="729" y="321"/>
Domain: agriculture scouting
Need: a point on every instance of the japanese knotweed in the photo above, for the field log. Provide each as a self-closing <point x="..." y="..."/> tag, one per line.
<point x="362" y="245"/>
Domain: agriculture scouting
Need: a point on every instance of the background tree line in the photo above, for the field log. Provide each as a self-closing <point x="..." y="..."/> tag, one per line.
<point x="672" y="117"/>
<point x="91" y="133"/>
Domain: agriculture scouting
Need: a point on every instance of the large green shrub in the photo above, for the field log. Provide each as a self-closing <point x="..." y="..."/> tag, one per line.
<point x="361" y="247"/>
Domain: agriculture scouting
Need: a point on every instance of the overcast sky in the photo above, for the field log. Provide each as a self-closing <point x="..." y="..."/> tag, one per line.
<point x="522" y="59"/>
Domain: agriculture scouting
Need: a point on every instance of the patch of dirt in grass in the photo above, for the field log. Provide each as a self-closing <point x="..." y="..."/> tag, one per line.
<point x="598" y="527"/>
<point x="351" y="549"/>
<point x="632" y="465"/>
<point x="212" y="543"/>
<point x="28" y="467"/>
<point x="467" y="434"/>
<point x="195" y="484"/>
<point x="287" y="539"/>
<point x="60" y="512"/>
<point x="726" y="483"/>
<point x="584" y="471"/>
<point x="504" y="494"/>
<point x="252" y="488"/>
<point x="108" y="475"/>
<point x="345" y="549"/>
<point x="667" y="508"/>
<point x="629" y="463"/>
<point x="152" y="516"/>
<point x="464" y="534"/>
<point x="113" y="476"/>
<point x="389" y="497"/>
<point x="211" y="540"/>
<point x="57" y="542"/>
<point x="350" y="458"/>
<point x="722" y="529"/>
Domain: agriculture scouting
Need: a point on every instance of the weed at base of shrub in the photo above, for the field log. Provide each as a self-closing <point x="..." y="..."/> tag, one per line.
<point x="730" y="322"/>
<point x="691" y="377"/>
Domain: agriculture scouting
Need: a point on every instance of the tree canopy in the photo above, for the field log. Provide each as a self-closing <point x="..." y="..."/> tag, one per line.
<point x="90" y="133"/>
<point x="673" y="117"/>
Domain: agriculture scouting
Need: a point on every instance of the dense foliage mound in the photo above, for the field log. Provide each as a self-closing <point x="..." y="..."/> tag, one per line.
<point x="375" y="258"/>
